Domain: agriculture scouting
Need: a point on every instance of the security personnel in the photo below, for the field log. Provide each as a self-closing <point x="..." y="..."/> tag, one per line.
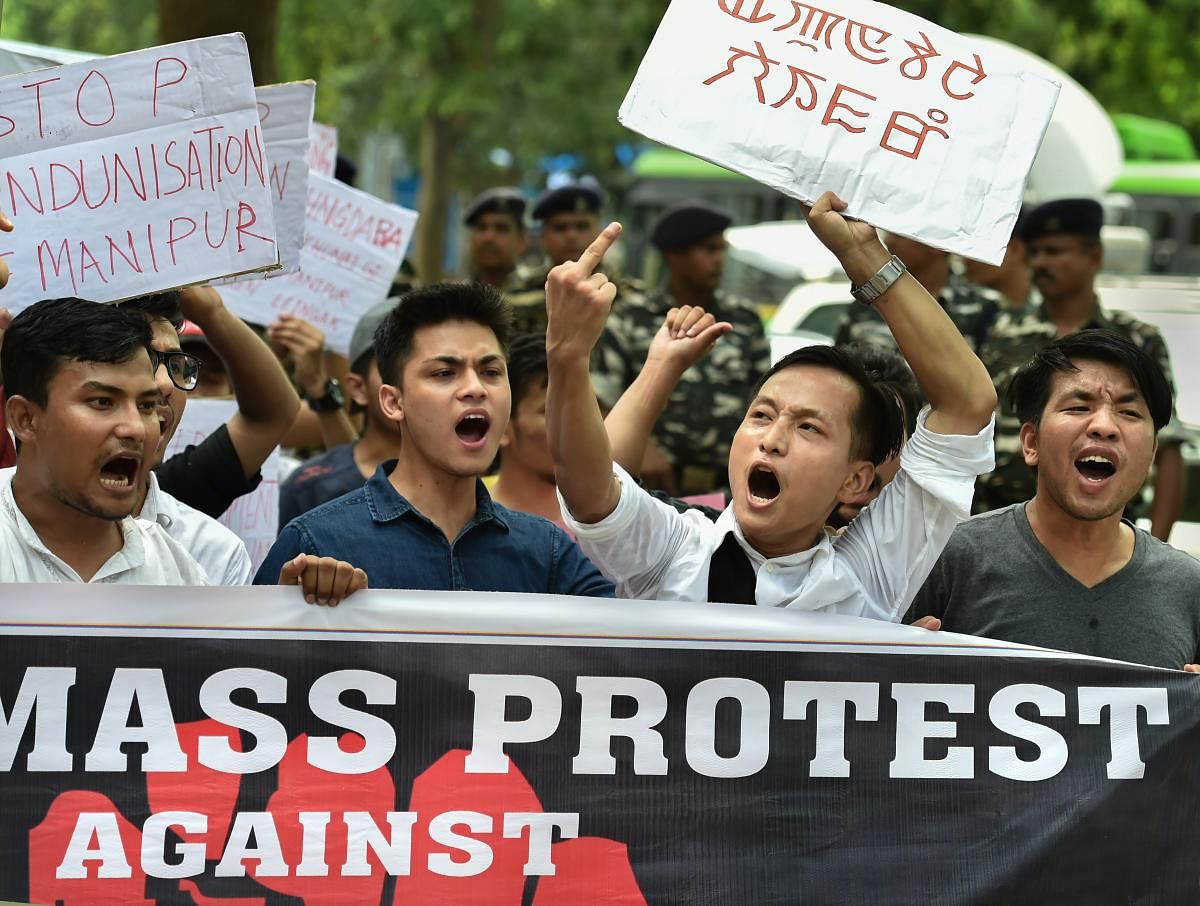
<point x="496" y="221"/>
<point x="1065" y="254"/>
<point x="710" y="400"/>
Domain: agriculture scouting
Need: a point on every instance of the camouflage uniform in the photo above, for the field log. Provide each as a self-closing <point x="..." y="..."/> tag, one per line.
<point x="1014" y="340"/>
<point x="525" y="288"/>
<point x="708" y="404"/>
<point x="972" y="308"/>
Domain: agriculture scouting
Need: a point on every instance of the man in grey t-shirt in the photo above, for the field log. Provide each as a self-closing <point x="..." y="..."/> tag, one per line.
<point x="1065" y="570"/>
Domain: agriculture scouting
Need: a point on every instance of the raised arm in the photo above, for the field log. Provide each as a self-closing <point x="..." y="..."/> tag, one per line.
<point x="686" y="336"/>
<point x="267" y="404"/>
<point x="957" y="385"/>
<point x="577" y="305"/>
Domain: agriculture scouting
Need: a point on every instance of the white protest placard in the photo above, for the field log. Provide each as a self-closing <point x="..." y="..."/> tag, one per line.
<point x="323" y="149"/>
<point x="286" y="112"/>
<point x="130" y="174"/>
<point x="353" y="246"/>
<point x="254" y="517"/>
<point x="921" y="131"/>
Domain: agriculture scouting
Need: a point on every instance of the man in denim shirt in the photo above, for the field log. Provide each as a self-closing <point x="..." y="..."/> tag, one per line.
<point x="425" y="520"/>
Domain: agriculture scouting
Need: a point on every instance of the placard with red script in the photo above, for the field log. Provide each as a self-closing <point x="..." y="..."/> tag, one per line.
<point x="921" y="131"/>
<point x="353" y="246"/>
<point x="130" y="174"/>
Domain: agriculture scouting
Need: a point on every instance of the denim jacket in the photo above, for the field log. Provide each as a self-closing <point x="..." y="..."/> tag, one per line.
<point x="378" y="530"/>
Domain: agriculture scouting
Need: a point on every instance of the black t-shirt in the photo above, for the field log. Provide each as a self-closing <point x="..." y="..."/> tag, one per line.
<point x="207" y="476"/>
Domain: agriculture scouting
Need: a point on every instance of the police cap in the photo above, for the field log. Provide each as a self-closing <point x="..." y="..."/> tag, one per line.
<point x="498" y="200"/>
<point x="1073" y="216"/>
<point x="573" y="198"/>
<point x="686" y="224"/>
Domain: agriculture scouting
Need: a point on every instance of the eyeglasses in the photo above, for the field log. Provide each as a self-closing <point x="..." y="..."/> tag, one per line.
<point x="183" y="369"/>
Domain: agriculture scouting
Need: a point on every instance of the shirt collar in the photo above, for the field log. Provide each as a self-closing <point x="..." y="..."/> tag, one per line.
<point x="152" y="510"/>
<point x="727" y="522"/>
<point x="386" y="504"/>
<point x="1097" y="319"/>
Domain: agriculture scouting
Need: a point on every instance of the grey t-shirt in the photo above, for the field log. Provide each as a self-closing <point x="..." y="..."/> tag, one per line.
<point x="995" y="579"/>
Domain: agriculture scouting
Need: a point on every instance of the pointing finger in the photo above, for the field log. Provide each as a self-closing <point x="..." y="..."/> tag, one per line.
<point x="591" y="256"/>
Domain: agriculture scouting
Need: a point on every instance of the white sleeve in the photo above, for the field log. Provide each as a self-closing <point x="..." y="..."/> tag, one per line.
<point x="240" y="570"/>
<point x="635" y="544"/>
<point x="894" y="543"/>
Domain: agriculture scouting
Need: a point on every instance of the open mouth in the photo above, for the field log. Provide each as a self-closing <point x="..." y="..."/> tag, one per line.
<point x="1095" y="468"/>
<point x="472" y="429"/>
<point x="120" y="472"/>
<point x="762" y="485"/>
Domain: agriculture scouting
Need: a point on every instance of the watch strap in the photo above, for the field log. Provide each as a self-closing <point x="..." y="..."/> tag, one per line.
<point x="868" y="292"/>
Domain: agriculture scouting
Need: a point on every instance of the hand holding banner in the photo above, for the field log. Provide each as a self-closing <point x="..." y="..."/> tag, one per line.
<point x="135" y="173"/>
<point x="923" y="132"/>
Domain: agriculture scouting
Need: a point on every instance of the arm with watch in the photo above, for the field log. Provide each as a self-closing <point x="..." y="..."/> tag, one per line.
<point x="958" y="387"/>
<point x="323" y="418"/>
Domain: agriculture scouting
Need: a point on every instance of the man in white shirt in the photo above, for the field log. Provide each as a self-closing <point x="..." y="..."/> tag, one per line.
<point x="219" y="551"/>
<point x="815" y="430"/>
<point x="81" y="397"/>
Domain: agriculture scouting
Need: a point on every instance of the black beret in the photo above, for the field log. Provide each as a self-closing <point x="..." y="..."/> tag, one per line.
<point x="575" y="198"/>
<point x="686" y="224"/>
<point x="499" y="200"/>
<point x="1073" y="216"/>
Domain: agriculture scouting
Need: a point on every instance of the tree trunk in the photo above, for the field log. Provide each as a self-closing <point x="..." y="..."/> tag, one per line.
<point x="258" y="20"/>
<point x="438" y="136"/>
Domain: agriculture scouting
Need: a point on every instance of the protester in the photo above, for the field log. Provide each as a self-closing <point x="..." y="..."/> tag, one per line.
<point x="323" y="419"/>
<point x="346" y="467"/>
<point x="526" y="478"/>
<point x="425" y="520"/>
<point x="811" y="437"/>
<point x="223" y="467"/>
<point x="971" y="307"/>
<point x="498" y="239"/>
<point x="706" y="407"/>
<point x="1065" y="253"/>
<point x="212" y="382"/>
<point x="80" y="395"/>
<point x="1090" y="405"/>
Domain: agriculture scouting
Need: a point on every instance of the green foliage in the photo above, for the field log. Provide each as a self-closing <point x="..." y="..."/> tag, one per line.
<point x="547" y="76"/>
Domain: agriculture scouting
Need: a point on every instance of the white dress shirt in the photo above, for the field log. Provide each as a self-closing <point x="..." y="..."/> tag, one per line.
<point x="148" y="556"/>
<point x="652" y="551"/>
<point x="221" y="553"/>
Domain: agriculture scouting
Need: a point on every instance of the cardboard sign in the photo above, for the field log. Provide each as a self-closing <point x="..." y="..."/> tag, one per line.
<point x="254" y="517"/>
<point x="285" y="112"/>
<point x="921" y="131"/>
<point x="353" y="246"/>
<point x="323" y="149"/>
<point x="457" y="747"/>
<point x="135" y="173"/>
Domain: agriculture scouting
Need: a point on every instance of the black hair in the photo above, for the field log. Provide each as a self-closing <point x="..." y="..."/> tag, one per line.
<point x="433" y="305"/>
<point x="877" y="424"/>
<point x="888" y="368"/>
<point x="49" y="333"/>
<point x="526" y="365"/>
<point x="158" y="305"/>
<point x="1029" y="390"/>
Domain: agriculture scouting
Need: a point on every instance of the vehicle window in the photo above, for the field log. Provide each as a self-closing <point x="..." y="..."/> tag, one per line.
<point x="824" y="318"/>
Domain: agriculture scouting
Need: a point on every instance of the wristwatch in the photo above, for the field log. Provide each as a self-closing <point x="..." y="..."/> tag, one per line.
<point x="330" y="401"/>
<point x="880" y="283"/>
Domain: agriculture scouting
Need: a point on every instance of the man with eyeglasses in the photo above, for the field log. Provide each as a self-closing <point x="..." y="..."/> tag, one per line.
<point x="211" y="475"/>
<point x="186" y="493"/>
<point x="81" y="395"/>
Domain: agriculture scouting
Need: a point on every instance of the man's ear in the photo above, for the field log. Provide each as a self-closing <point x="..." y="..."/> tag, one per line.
<point x="1029" y="444"/>
<point x="858" y="481"/>
<point x="23" y="417"/>
<point x="356" y="388"/>
<point x="392" y="403"/>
